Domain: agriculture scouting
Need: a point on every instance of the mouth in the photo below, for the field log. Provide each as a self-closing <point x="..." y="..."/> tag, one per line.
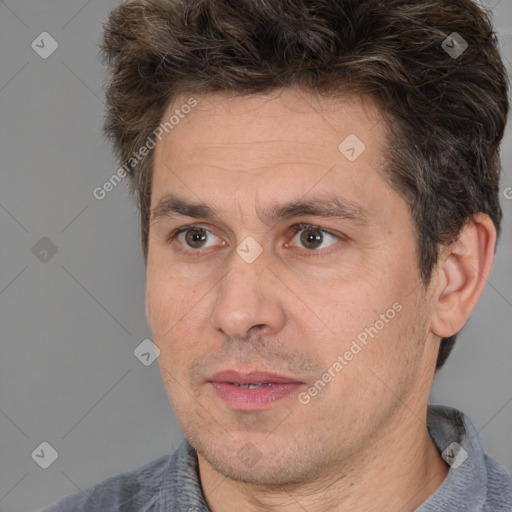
<point x="252" y="391"/>
<point x="252" y="378"/>
<point x="251" y="385"/>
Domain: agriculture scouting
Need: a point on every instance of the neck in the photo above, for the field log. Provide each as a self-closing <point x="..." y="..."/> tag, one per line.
<point x="397" y="472"/>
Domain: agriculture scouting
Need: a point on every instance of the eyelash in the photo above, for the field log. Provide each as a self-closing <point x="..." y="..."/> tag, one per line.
<point x="299" y="227"/>
<point x="296" y="228"/>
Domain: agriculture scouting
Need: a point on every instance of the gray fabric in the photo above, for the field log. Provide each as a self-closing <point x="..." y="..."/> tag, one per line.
<point x="171" y="483"/>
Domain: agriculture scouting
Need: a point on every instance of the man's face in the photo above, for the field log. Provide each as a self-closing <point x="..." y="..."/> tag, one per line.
<point x="335" y="307"/>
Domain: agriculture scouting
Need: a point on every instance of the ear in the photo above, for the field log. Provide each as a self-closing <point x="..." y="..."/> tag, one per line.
<point x="462" y="272"/>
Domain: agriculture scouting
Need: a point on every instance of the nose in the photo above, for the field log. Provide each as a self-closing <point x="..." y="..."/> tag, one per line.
<point x="248" y="300"/>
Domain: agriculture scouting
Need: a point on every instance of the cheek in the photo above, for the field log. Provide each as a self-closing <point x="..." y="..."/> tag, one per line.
<point x="378" y="373"/>
<point x="345" y="308"/>
<point x="169" y="297"/>
<point x="178" y="314"/>
<point x="162" y="304"/>
<point x="371" y="325"/>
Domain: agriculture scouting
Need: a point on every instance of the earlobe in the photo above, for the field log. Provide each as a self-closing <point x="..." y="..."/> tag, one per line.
<point x="463" y="270"/>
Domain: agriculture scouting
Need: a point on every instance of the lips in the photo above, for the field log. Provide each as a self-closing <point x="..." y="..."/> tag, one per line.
<point x="262" y="378"/>
<point x="254" y="391"/>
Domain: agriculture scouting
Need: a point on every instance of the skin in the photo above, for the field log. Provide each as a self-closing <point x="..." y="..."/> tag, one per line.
<point x="361" y="443"/>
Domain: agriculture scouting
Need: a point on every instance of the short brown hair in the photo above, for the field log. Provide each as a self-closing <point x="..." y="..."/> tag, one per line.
<point x="446" y="112"/>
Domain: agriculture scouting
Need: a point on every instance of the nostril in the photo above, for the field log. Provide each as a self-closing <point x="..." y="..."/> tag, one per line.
<point x="256" y="330"/>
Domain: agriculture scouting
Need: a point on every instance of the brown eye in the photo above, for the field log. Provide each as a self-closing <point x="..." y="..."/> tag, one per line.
<point x="196" y="237"/>
<point x="313" y="237"/>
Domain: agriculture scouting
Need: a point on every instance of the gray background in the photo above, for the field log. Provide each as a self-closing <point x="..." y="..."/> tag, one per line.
<point x="69" y="325"/>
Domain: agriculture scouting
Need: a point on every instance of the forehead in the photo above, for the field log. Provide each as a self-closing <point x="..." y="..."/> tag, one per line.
<point x="244" y="132"/>
<point x="267" y="145"/>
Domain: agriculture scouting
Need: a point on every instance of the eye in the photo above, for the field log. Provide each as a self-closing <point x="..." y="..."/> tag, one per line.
<point x="309" y="236"/>
<point x="313" y="237"/>
<point x="194" y="237"/>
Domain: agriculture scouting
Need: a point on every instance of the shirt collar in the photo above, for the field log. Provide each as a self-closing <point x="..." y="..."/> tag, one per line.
<point x="457" y="439"/>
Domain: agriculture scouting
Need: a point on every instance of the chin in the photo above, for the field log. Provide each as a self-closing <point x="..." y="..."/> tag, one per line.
<point x="258" y="463"/>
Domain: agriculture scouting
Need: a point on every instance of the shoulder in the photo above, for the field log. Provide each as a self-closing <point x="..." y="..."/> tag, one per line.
<point x="475" y="481"/>
<point x="134" y="490"/>
<point x="499" y="487"/>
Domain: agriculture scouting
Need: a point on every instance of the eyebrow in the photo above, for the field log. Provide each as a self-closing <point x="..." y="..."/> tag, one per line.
<point x="330" y="206"/>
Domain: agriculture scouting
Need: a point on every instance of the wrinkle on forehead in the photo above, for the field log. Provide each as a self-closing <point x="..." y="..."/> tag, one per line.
<point x="255" y="154"/>
<point x="243" y="152"/>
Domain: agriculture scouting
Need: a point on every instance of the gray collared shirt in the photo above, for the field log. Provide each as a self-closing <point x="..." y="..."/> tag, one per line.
<point x="475" y="481"/>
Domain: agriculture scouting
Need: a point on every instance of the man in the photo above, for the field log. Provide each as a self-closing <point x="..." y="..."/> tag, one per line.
<point x="318" y="187"/>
